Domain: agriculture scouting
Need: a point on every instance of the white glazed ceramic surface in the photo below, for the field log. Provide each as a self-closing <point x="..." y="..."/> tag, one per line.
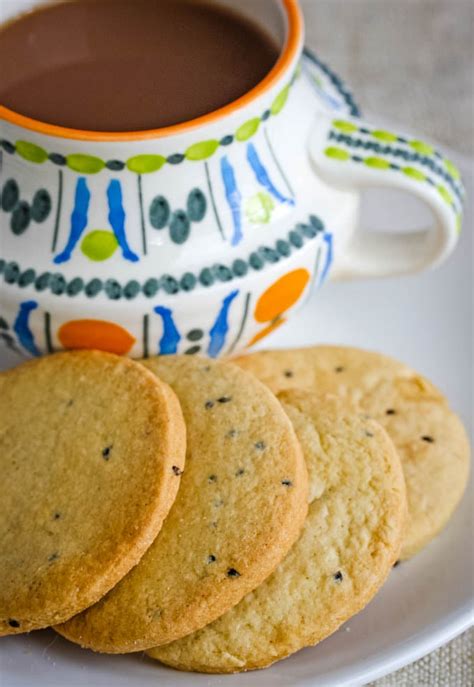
<point x="424" y="320"/>
<point x="205" y="239"/>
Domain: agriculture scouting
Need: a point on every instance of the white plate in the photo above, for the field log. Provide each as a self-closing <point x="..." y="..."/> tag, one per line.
<point x="426" y="321"/>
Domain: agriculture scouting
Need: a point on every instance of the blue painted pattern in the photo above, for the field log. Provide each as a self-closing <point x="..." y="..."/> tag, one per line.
<point x="234" y="199"/>
<point x="220" y="328"/>
<point x="327" y="238"/>
<point x="263" y="177"/>
<point x="171" y="336"/>
<point x="22" y="329"/>
<point x="117" y="219"/>
<point x="78" y="220"/>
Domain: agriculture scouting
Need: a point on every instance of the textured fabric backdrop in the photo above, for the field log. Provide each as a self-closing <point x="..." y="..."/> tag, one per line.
<point x="410" y="61"/>
<point x="407" y="60"/>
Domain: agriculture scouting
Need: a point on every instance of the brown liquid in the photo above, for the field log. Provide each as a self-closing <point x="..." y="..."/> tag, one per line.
<point x="129" y="65"/>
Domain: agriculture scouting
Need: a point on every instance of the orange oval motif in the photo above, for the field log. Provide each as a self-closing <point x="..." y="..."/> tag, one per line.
<point x="281" y="295"/>
<point x="96" y="334"/>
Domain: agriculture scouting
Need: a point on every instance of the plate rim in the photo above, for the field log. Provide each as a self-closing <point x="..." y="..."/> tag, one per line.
<point x="406" y="652"/>
<point x="411" y="648"/>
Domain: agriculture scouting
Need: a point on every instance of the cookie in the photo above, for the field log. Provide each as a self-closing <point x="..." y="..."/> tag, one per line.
<point x="241" y="505"/>
<point x="89" y="447"/>
<point x="430" y="438"/>
<point x="350" y="541"/>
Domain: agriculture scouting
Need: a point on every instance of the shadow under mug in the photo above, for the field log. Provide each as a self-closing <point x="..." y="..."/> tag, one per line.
<point x="205" y="236"/>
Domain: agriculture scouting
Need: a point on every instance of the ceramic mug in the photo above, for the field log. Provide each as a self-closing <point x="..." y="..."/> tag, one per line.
<point x="203" y="237"/>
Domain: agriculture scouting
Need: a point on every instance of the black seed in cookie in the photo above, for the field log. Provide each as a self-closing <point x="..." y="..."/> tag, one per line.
<point x="212" y="478"/>
<point x="13" y="623"/>
<point x="288" y="373"/>
<point x="428" y="439"/>
<point x="287" y="482"/>
<point x="396" y="564"/>
<point x="339" y="368"/>
<point x="53" y="557"/>
<point x="224" y="399"/>
<point x="177" y="471"/>
<point x="70" y="402"/>
<point x="106" y="452"/>
<point x="338" y="576"/>
<point x="211" y="558"/>
<point x="56" y="515"/>
<point x="390" y="411"/>
<point x="232" y="572"/>
<point x="260" y="445"/>
<point x="368" y="434"/>
<point x="239" y="472"/>
<point x="232" y="433"/>
<point x="209" y="404"/>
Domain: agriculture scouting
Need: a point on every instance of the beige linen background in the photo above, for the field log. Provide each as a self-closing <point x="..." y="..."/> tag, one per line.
<point x="410" y="61"/>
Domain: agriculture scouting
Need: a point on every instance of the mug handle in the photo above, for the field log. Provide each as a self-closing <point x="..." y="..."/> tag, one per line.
<point x="352" y="154"/>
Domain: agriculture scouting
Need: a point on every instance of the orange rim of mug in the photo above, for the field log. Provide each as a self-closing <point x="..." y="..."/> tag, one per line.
<point x="289" y="53"/>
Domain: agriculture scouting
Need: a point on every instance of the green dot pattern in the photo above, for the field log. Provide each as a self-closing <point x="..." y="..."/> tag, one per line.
<point x="149" y="163"/>
<point x="93" y="287"/>
<point x="10" y="195"/>
<point x="99" y="245"/>
<point x="346" y="127"/>
<point x="57" y="284"/>
<point x="421" y="147"/>
<point x="188" y="281"/>
<point x="31" y="152"/>
<point x="180" y="227"/>
<point x="248" y="129"/>
<point x="386" y="136"/>
<point x="445" y="194"/>
<point x="196" y="205"/>
<point x="21" y="217"/>
<point x="414" y="173"/>
<point x="75" y="286"/>
<point x="42" y="281"/>
<point x="159" y="212"/>
<point x="26" y="278"/>
<point x="452" y="169"/>
<point x="145" y="164"/>
<point x="259" y="208"/>
<point x="280" y="101"/>
<point x="150" y="287"/>
<point x="377" y="163"/>
<point x="85" y="164"/>
<point x="168" y="284"/>
<point x="41" y="206"/>
<point x="337" y="153"/>
<point x="201" y="151"/>
<point x="407" y="150"/>
<point x="132" y="289"/>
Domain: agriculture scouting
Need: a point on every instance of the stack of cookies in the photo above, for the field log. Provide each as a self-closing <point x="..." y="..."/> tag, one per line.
<point x="219" y="516"/>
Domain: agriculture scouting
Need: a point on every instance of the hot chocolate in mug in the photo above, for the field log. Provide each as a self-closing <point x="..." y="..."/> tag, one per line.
<point x="205" y="236"/>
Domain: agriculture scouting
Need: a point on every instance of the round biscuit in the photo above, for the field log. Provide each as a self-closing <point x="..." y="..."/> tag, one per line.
<point x="241" y="505"/>
<point x="89" y="443"/>
<point x="429" y="437"/>
<point x="350" y="541"/>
